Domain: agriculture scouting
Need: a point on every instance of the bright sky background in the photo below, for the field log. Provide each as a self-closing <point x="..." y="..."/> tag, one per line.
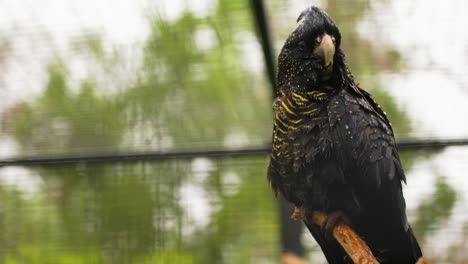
<point x="432" y="37"/>
<point x="39" y="30"/>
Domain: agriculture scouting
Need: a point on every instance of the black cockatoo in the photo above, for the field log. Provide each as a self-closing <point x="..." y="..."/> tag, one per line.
<point x="333" y="147"/>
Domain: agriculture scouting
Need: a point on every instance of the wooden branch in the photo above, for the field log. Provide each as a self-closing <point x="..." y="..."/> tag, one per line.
<point x="289" y="258"/>
<point x="423" y="261"/>
<point x="356" y="248"/>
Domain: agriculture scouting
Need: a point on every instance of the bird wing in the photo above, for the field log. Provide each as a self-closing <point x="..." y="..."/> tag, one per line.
<point x="368" y="151"/>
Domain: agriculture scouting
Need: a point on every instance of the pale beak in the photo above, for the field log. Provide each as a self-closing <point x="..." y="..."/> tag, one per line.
<point x="326" y="50"/>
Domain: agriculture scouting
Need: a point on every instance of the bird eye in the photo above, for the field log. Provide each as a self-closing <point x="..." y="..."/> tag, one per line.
<point x="333" y="39"/>
<point x="302" y="45"/>
<point x="318" y="39"/>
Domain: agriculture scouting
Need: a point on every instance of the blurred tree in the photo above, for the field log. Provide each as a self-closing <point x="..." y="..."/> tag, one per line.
<point x="196" y="87"/>
<point x="78" y="122"/>
<point x="431" y="214"/>
<point x="435" y="209"/>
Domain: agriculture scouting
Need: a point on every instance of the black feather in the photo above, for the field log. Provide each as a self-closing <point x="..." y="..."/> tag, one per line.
<point x="334" y="149"/>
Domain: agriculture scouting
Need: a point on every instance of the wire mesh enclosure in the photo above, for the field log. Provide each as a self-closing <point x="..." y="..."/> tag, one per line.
<point x="138" y="131"/>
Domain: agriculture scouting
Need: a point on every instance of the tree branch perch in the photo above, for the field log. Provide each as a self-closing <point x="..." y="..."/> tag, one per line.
<point x="354" y="246"/>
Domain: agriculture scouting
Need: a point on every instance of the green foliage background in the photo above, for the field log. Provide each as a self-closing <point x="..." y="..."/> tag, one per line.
<point x="183" y="96"/>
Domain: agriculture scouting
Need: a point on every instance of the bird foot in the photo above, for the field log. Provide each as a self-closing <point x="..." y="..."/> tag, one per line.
<point x="331" y="221"/>
<point x="297" y="214"/>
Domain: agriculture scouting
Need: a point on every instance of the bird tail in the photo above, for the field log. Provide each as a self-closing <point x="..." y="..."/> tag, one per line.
<point x="415" y="249"/>
<point x="393" y="245"/>
<point x="332" y="250"/>
<point x="401" y="250"/>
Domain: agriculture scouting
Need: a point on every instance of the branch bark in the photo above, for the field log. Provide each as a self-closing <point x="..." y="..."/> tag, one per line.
<point x="423" y="261"/>
<point x="290" y="258"/>
<point x="354" y="246"/>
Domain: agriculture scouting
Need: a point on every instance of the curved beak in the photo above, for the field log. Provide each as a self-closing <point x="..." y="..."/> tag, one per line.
<point x="326" y="50"/>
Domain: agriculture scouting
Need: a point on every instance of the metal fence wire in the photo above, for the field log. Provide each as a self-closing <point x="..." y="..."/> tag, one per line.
<point x="140" y="133"/>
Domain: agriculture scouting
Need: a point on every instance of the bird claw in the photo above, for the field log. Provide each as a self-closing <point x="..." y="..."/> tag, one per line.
<point x="331" y="221"/>
<point x="297" y="214"/>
